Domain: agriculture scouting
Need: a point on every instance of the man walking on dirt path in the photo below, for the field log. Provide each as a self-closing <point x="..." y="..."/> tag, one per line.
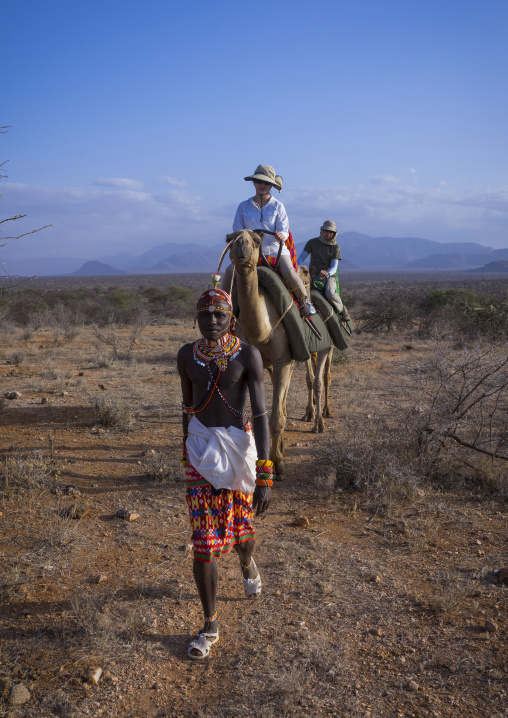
<point x="228" y="474"/>
<point x="324" y="264"/>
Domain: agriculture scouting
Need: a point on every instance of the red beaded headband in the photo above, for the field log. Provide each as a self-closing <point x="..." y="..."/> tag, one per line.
<point x="213" y="297"/>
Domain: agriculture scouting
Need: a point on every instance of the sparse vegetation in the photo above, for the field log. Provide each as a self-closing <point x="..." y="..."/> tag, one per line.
<point x="24" y="471"/>
<point x="158" y="466"/>
<point x="378" y="554"/>
<point x="101" y="624"/>
<point x="112" y="413"/>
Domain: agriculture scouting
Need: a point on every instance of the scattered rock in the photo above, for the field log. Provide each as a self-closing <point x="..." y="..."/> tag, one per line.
<point x="44" y="400"/>
<point x="12" y="395"/>
<point x="502" y="576"/>
<point x="301" y="521"/>
<point x="68" y="490"/>
<point x="74" y="511"/>
<point x="103" y="387"/>
<point x="376" y="632"/>
<point x="412" y="686"/>
<point x="498" y="675"/>
<point x="489" y="626"/>
<point x="94" y="675"/>
<point x="483" y="574"/>
<point x="71" y="490"/>
<point x="127" y="515"/>
<point x="375" y="578"/>
<point x="100" y="578"/>
<point x="64" y="393"/>
<point x="81" y="373"/>
<point x="19" y="695"/>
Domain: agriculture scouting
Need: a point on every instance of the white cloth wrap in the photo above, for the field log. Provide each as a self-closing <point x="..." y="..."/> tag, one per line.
<point x="224" y="457"/>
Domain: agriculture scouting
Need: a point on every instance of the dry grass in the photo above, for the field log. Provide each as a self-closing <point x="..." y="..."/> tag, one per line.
<point x="112" y="413"/>
<point x="390" y="581"/>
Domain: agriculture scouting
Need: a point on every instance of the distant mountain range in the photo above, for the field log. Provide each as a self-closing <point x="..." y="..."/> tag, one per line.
<point x="359" y="252"/>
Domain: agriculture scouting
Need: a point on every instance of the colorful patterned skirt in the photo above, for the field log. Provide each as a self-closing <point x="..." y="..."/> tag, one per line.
<point x="218" y="521"/>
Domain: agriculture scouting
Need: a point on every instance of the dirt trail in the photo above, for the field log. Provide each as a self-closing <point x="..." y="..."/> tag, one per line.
<point x="361" y="615"/>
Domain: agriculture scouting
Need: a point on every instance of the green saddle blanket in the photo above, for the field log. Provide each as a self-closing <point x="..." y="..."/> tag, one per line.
<point x="330" y="318"/>
<point x="302" y="340"/>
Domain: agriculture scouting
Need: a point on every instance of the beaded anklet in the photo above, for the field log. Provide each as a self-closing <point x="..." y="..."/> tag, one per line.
<point x="212" y="618"/>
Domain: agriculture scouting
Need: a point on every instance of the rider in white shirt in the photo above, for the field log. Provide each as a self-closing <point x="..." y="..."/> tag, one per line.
<point x="264" y="212"/>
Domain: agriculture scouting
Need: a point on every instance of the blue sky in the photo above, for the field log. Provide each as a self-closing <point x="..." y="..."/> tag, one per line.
<point x="133" y="124"/>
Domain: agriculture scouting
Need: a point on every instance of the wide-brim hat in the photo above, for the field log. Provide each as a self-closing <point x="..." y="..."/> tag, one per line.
<point x="266" y="173"/>
<point x="329" y="226"/>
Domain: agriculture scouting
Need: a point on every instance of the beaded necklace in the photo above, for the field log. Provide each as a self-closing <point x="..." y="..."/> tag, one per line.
<point x="223" y="350"/>
<point x="231" y="409"/>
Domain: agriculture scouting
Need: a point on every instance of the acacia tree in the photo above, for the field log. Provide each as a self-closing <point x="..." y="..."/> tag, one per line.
<point x="4" y="274"/>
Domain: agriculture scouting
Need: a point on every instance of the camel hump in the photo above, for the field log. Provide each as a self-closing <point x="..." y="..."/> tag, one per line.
<point x="302" y="342"/>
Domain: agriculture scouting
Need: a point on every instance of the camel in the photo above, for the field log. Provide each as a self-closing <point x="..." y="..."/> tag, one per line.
<point x="259" y="324"/>
<point x="318" y="376"/>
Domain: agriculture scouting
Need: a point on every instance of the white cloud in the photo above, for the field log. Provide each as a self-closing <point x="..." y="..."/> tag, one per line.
<point x="172" y="180"/>
<point x="119" y="182"/>
<point x="388" y="208"/>
<point x="93" y="222"/>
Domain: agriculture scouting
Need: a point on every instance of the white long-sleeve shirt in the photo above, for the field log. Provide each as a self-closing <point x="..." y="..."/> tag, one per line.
<point x="248" y="216"/>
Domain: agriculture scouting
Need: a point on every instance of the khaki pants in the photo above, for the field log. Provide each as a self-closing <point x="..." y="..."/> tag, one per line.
<point x="332" y="296"/>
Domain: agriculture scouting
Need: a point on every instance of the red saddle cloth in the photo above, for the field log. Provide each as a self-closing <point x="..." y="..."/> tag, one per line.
<point x="292" y="251"/>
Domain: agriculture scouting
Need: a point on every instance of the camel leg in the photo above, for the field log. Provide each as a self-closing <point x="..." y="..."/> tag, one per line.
<point x="281" y="377"/>
<point x="309" y="378"/>
<point x="327" y="413"/>
<point x="319" y="424"/>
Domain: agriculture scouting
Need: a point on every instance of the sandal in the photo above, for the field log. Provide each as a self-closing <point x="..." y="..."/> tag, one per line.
<point x="252" y="586"/>
<point x="202" y="644"/>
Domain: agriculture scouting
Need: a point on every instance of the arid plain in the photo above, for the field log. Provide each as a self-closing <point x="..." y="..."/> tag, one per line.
<point x="382" y="554"/>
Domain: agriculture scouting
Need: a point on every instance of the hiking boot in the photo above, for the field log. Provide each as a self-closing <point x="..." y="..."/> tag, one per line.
<point x="308" y="309"/>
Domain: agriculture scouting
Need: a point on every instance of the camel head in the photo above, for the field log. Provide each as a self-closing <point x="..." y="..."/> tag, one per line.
<point x="244" y="250"/>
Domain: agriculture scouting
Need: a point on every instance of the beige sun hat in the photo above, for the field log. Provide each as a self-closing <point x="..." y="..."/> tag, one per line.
<point x="266" y="173"/>
<point x="329" y="226"/>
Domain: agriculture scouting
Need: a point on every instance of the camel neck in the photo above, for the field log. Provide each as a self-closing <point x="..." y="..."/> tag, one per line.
<point x="254" y="321"/>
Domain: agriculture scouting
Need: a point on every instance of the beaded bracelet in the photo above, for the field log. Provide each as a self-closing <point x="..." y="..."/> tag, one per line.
<point x="264" y="472"/>
<point x="255" y="416"/>
<point x="187" y="409"/>
<point x="264" y="482"/>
